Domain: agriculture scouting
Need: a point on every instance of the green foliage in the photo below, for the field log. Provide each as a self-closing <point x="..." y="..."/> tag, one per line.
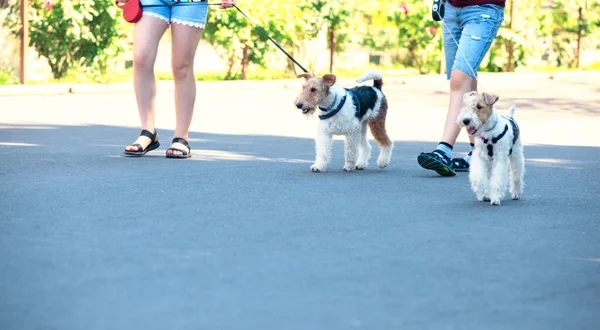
<point x="240" y="42"/>
<point x="68" y="34"/>
<point x="545" y="34"/>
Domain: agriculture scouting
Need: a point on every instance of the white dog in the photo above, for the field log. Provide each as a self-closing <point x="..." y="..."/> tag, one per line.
<point x="498" y="148"/>
<point x="347" y="112"/>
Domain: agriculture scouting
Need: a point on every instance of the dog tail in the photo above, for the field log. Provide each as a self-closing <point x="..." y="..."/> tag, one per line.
<point x="511" y="111"/>
<point x="372" y="75"/>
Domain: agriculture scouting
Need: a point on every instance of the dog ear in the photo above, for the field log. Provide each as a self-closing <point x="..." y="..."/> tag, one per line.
<point x="490" y="98"/>
<point x="468" y="94"/>
<point x="305" y="75"/>
<point x="329" y="80"/>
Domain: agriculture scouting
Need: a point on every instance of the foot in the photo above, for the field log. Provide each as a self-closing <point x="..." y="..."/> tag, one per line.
<point x="317" y="168"/>
<point x="180" y="148"/>
<point x="349" y="167"/>
<point x="383" y="162"/>
<point x="460" y="165"/>
<point x="147" y="141"/>
<point x="436" y="161"/>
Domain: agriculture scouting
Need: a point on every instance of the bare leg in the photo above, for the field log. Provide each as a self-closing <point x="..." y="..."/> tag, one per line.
<point x="460" y="83"/>
<point x="185" y="42"/>
<point x="147" y="34"/>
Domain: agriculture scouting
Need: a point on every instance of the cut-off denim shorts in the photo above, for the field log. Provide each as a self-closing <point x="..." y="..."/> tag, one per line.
<point x="474" y="28"/>
<point x="186" y="13"/>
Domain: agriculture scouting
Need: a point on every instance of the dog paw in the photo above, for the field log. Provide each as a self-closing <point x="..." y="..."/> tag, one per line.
<point x="382" y="163"/>
<point x="495" y="202"/>
<point x="360" y="167"/>
<point x="349" y="167"/>
<point x="516" y="197"/>
<point x="317" y="168"/>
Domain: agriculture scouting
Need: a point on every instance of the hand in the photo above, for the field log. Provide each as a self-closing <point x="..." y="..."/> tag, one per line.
<point x="225" y="4"/>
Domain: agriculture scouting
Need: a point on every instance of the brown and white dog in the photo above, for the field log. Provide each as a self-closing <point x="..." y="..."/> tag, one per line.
<point x="347" y="112"/>
<point x="498" y="148"/>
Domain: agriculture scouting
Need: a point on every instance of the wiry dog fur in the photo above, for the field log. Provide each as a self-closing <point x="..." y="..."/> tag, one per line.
<point x="489" y="174"/>
<point x="319" y="93"/>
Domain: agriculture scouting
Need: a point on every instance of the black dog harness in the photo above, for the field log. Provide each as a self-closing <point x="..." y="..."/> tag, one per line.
<point x="494" y="140"/>
<point x="328" y="114"/>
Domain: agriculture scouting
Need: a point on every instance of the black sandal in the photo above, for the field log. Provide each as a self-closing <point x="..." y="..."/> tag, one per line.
<point x="460" y="165"/>
<point x="186" y="154"/>
<point x="141" y="151"/>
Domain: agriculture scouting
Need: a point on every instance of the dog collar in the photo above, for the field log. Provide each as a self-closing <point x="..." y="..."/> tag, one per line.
<point x="328" y="114"/>
<point x="335" y="97"/>
<point x="495" y="124"/>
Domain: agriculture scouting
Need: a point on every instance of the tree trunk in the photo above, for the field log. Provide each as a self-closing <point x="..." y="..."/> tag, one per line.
<point x="331" y="47"/>
<point x="579" y="30"/>
<point x="509" y="66"/>
<point x="231" y="63"/>
<point x="244" y="61"/>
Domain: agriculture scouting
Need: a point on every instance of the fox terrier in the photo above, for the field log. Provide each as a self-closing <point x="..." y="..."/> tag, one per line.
<point x="498" y="148"/>
<point x="347" y="112"/>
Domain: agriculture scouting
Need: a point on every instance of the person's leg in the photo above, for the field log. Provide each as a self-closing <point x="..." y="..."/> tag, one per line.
<point x="147" y="34"/>
<point x="480" y="25"/>
<point x="186" y="31"/>
<point x="440" y="159"/>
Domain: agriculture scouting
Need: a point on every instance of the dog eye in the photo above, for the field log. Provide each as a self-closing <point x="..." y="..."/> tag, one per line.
<point x="478" y="107"/>
<point x="313" y="89"/>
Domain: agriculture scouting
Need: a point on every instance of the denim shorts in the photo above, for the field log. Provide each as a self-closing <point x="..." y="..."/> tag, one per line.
<point x="186" y="13"/>
<point x="473" y="28"/>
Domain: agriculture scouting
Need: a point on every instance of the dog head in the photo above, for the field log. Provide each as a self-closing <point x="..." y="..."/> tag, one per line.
<point x="314" y="91"/>
<point x="476" y="110"/>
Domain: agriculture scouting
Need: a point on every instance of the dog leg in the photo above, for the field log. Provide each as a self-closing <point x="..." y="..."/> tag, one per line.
<point x="478" y="176"/>
<point x="517" y="171"/>
<point x="377" y="126"/>
<point x="498" y="180"/>
<point x="351" y="145"/>
<point x="324" y="142"/>
<point x="364" y="149"/>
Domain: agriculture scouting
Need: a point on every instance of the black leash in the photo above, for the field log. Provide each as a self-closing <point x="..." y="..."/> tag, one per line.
<point x="264" y="33"/>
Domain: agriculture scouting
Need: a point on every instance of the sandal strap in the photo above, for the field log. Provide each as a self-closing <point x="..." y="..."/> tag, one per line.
<point x="184" y="152"/>
<point x="138" y="146"/>
<point x="182" y="141"/>
<point x="148" y="134"/>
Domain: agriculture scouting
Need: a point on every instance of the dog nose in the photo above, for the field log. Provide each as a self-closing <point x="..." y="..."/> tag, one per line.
<point x="466" y="121"/>
<point x="299" y="105"/>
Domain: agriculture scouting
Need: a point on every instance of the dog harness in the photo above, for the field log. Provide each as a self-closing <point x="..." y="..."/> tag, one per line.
<point x="328" y="114"/>
<point x="490" y="147"/>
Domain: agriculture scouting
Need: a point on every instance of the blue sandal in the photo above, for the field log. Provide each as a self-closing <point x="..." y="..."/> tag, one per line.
<point x="460" y="165"/>
<point x="436" y="161"/>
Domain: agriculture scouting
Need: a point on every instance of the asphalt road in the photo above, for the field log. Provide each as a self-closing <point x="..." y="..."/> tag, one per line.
<point x="243" y="236"/>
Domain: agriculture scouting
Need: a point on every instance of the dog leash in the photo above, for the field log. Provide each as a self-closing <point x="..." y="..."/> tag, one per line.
<point x="264" y="33"/>
<point x="439" y="9"/>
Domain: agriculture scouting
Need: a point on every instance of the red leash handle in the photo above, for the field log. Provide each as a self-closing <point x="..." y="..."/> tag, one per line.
<point x="132" y="10"/>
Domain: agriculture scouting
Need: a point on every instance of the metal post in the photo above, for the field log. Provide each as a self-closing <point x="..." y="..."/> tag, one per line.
<point x="24" y="40"/>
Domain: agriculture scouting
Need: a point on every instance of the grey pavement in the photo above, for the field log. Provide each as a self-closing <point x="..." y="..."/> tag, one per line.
<point x="243" y="236"/>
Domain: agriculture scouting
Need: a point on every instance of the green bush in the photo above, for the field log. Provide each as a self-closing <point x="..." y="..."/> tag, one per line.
<point x="84" y="33"/>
